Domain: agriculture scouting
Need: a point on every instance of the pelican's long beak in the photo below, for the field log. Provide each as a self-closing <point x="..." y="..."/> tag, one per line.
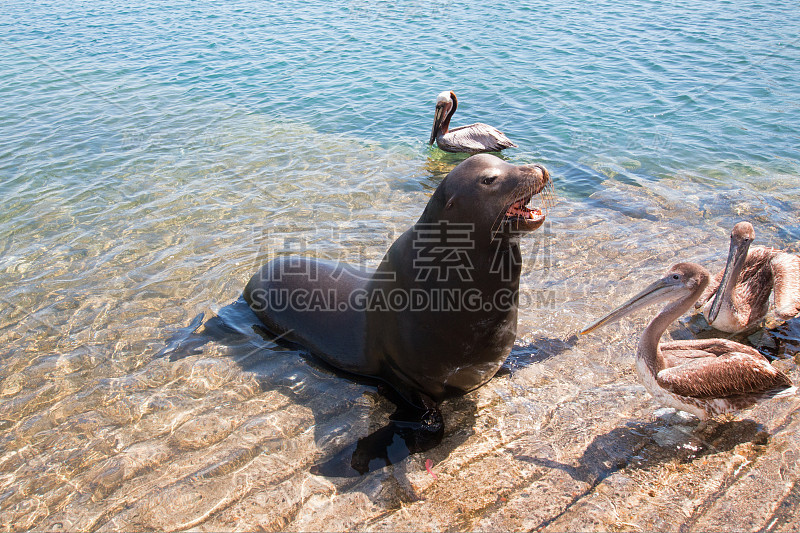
<point x="737" y="254"/>
<point x="438" y="117"/>
<point x="654" y="293"/>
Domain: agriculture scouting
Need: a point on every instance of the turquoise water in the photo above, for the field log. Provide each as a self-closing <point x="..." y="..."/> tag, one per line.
<point x="674" y="85"/>
<point x="152" y="156"/>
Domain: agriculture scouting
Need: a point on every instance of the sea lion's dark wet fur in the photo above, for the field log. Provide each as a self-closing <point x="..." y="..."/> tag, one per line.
<point x="450" y="345"/>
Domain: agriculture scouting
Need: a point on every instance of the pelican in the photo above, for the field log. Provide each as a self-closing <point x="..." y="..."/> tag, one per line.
<point x="741" y="291"/>
<point x="705" y="377"/>
<point x="474" y="138"/>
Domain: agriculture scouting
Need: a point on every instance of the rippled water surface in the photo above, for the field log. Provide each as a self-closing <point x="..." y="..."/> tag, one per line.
<point x="152" y="156"/>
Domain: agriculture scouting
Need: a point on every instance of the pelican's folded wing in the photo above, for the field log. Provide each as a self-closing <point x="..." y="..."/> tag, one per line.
<point x="479" y="137"/>
<point x="728" y="375"/>
<point x="786" y="275"/>
<point x="710" y="346"/>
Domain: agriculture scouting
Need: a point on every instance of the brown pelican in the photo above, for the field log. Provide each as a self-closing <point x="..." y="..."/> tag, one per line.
<point x="705" y="377"/>
<point x="474" y="138"/>
<point x="741" y="291"/>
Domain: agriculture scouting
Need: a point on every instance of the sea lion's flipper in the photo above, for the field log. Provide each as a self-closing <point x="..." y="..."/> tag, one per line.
<point x="410" y="430"/>
<point x="185" y="341"/>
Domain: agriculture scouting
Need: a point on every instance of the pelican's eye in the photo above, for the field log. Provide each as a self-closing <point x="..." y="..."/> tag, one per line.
<point x="676" y="277"/>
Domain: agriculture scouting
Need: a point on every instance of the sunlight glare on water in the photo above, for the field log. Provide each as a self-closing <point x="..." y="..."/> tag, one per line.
<point x="153" y="156"/>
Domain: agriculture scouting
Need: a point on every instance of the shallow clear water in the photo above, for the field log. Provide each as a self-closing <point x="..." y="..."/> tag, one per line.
<point x="153" y="156"/>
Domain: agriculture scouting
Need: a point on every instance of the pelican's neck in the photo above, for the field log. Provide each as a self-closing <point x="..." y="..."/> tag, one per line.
<point x="445" y="127"/>
<point x="732" y="279"/>
<point x="648" y="343"/>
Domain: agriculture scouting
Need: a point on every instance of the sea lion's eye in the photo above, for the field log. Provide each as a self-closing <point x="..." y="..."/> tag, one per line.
<point x="489" y="181"/>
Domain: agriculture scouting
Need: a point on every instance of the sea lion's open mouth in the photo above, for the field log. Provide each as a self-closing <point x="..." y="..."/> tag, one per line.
<point x="519" y="217"/>
<point x="519" y="212"/>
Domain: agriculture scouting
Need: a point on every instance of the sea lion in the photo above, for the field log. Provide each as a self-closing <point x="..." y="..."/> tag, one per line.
<point x="439" y="315"/>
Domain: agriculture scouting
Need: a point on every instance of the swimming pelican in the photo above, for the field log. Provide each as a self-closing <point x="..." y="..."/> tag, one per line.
<point x="474" y="138"/>
<point x="705" y="377"/>
<point x="746" y="283"/>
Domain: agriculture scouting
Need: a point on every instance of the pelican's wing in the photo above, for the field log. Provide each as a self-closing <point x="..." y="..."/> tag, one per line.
<point x="754" y="284"/>
<point x="680" y="356"/>
<point x="786" y="273"/>
<point x="733" y="374"/>
<point x="711" y="346"/>
<point x="478" y="137"/>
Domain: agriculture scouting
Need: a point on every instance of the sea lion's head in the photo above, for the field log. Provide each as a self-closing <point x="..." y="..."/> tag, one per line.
<point x="490" y="193"/>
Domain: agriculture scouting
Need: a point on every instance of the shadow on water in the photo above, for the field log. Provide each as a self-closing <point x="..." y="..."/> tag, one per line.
<point x="779" y="342"/>
<point x="439" y="163"/>
<point x="538" y="350"/>
<point x="237" y="328"/>
<point x="396" y="440"/>
<point x="642" y="445"/>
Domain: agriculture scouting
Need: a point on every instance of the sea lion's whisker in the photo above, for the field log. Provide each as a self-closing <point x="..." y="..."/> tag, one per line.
<point x="549" y="194"/>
